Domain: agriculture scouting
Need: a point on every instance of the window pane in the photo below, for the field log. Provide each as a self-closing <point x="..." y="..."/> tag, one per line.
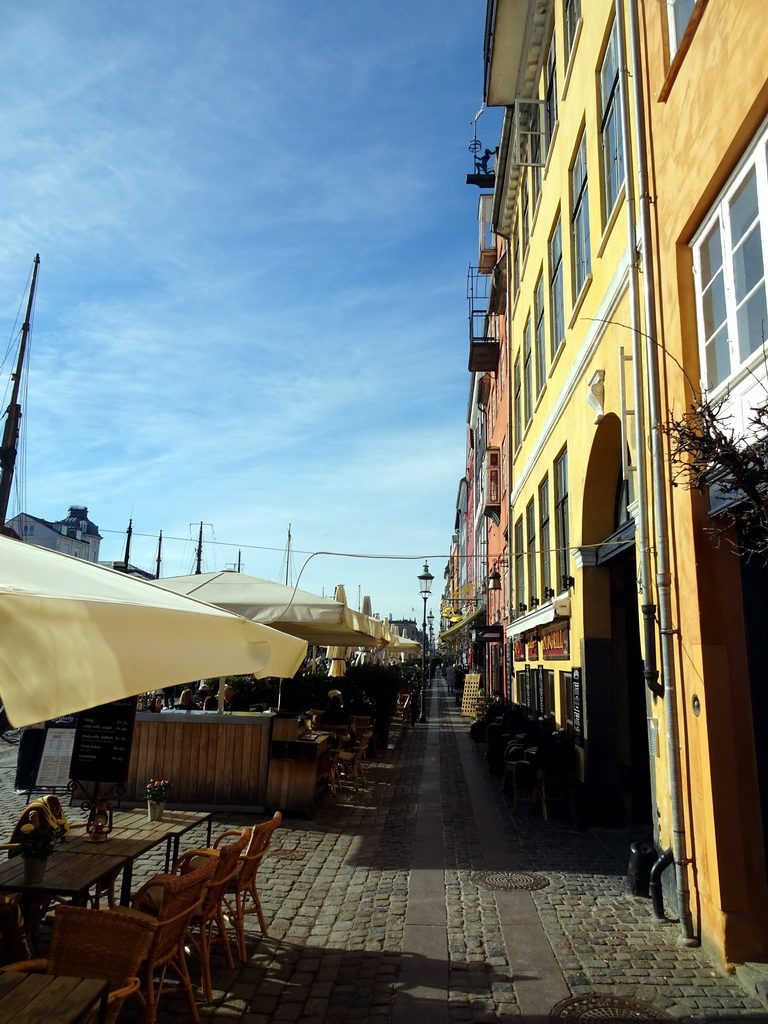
<point x="718" y="355"/>
<point x="743" y="209"/>
<point x="748" y="263"/>
<point x="751" y="320"/>
<point x="711" y="256"/>
<point x="713" y="305"/>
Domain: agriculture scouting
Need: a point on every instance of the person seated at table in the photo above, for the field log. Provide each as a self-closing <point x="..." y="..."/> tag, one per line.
<point x="202" y="694"/>
<point x="211" y="704"/>
<point x="335" y="713"/>
<point x="187" y="701"/>
<point x="361" y="705"/>
<point x="234" y="701"/>
<point x="157" y="703"/>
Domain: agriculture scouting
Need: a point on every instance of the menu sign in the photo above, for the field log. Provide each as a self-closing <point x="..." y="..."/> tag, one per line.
<point x="578" y="724"/>
<point x="540" y="710"/>
<point x="527" y="687"/>
<point x="53" y="770"/>
<point x="103" y="742"/>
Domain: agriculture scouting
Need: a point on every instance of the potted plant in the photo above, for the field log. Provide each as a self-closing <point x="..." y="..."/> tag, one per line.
<point x="155" y="793"/>
<point x="37" y="842"/>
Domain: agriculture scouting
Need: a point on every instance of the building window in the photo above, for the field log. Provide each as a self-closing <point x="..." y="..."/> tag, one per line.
<point x="528" y="372"/>
<point x="557" y="306"/>
<point x="545" y="539"/>
<point x="519" y="565"/>
<point x="729" y="258"/>
<point x="540" y="340"/>
<point x="525" y="226"/>
<point x="562" y="533"/>
<point x="516" y="266"/>
<point x="550" y="92"/>
<point x="29" y="529"/>
<point x="530" y="524"/>
<point x="610" y="126"/>
<point x="678" y="15"/>
<point x="518" y="418"/>
<point x="582" y="262"/>
<point x="572" y="19"/>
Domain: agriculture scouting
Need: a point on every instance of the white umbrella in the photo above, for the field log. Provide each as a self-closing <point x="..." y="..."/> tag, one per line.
<point x="74" y="635"/>
<point x="318" y="620"/>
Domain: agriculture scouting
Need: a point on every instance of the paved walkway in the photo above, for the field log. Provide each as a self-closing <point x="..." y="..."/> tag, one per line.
<point x="375" y="917"/>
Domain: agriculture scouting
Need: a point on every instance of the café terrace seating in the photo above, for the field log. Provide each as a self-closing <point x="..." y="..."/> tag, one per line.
<point x="97" y="944"/>
<point x="241" y="897"/>
<point x="170" y="900"/>
<point x="209" y="915"/>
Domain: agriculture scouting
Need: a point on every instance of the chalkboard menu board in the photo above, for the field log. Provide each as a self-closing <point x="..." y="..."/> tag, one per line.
<point x="103" y="742"/>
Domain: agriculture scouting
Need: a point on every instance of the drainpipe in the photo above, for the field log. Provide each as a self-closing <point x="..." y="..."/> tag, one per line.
<point x="661" y="514"/>
<point x="650" y="666"/>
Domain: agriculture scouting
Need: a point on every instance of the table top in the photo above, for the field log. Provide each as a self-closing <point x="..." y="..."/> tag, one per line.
<point x="67" y="872"/>
<point x="47" y="998"/>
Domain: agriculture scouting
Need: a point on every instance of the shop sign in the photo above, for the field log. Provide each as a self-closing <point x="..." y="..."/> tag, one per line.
<point x="519" y="648"/>
<point x="533" y="648"/>
<point x="488" y="634"/>
<point x="578" y="724"/>
<point x="555" y="644"/>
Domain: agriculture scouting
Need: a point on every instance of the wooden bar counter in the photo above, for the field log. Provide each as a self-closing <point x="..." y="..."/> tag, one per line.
<point x="212" y="760"/>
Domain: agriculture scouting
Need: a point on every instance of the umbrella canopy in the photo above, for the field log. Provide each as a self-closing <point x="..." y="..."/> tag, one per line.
<point x="318" y="620"/>
<point x="338" y="655"/>
<point x="74" y="635"/>
<point x="401" y="644"/>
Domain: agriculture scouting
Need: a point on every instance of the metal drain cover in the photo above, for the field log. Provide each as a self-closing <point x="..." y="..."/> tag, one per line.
<point x="508" y="880"/>
<point x="597" y="1007"/>
<point x="287" y="854"/>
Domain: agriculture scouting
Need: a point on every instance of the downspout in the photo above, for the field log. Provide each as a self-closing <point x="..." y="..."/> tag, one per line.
<point x="650" y="665"/>
<point x="661" y="514"/>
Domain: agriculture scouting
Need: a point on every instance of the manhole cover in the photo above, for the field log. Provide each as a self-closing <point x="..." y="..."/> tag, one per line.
<point x="597" y="1007"/>
<point x="287" y="854"/>
<point x="508" y="880"/>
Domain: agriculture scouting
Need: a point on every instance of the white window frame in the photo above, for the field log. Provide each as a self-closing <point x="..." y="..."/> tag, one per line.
<point x="556" y="287"/>
<point x="678" y="16"/>
<point x="744" y="382"/>
<point x="611" y="128"/>
<point x="580" y="232"/>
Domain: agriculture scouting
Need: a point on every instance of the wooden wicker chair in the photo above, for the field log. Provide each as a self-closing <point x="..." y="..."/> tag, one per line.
<point x="242" y="888"/>
<point x="97" y="944"/>
<point x="170" y="900"/>
<point x="350" y="765"/>
<point x="210" y="914"/>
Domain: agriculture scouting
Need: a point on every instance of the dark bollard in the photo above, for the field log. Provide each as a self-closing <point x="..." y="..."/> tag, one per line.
<point x="641" y="860"/>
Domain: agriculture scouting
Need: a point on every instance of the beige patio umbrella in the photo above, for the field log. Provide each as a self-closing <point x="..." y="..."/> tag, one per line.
<point x="322" y="621"/>
<point x="74" y="635"/>
<point x="338" y="655"/>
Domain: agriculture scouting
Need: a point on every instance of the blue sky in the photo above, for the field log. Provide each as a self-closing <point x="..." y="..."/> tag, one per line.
<point x="254" y="233"/>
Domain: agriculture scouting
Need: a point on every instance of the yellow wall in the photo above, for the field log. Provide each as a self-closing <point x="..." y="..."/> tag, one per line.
<point x="701" y="119"/>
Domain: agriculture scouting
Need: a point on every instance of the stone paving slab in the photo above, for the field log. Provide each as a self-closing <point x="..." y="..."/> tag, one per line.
<point x="338" y="889"/>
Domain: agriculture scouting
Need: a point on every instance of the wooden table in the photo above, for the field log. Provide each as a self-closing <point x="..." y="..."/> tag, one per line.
<point x="133" y="834"/>
<point x="49" y="998"/>
<point x="67" y="873"/>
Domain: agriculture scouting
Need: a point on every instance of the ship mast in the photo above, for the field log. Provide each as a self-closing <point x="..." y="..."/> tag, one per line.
<point x="9" y="447"/>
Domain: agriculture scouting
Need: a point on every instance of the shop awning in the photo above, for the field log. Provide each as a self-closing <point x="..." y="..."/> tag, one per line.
<point x="558" y="609"/>
<point x="466" y="621"/>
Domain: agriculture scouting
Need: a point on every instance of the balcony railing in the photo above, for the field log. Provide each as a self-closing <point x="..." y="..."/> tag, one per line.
<point x="483" y="346"/>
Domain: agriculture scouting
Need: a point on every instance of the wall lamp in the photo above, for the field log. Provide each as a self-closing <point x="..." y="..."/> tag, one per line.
<point x="494" y="580"/>
<point x="534" y="602"/>
<point x="568" y="582"/>
<point x="548" y="593"/>
<point x="522" y="607"/>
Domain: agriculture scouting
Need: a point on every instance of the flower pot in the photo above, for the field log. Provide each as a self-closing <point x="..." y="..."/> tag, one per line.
<point x="34" y="870"/>
<point x="155" y="810"/>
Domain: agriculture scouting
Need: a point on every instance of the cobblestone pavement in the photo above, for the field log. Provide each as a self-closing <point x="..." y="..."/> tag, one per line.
<point x="338" y="890"/>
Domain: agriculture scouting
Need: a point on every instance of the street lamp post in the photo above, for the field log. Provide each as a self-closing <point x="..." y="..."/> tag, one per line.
<point x="425" y="586"/>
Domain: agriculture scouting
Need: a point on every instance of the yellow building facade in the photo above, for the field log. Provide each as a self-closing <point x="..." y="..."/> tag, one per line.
<point x="626" y="122"/>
